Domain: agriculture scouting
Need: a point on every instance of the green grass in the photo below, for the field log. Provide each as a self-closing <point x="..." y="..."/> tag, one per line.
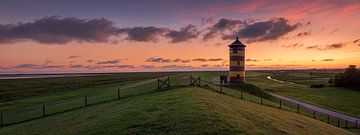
<point x="13" y="89"/>
<point x="334" y="98"/>
<point x="139" y="90"/>
<point x="189" y="110"/>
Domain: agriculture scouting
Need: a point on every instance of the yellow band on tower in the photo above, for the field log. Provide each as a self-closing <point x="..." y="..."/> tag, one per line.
<point x="236" y="63"/>
<point x="235" y="73"/>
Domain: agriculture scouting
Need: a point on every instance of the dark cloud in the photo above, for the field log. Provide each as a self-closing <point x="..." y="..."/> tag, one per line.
<point x="185" y="33"/>
<point x="181" y="60"/>
<point x="147" y="66"/>
<point x="356" y="41"/>
<point x="76" y="66"/>
<point x="327" y="60"/>
<point x="89" y="61"/>
<point x="296" y="45"/>
<point x="303" y="34"/>
<point x="109" y="62"/>
<point x="144" y="34"/>
<point x="110" y="66"/>
<point x="327" y="47"/>
<point x="34" y="66"/>
<point x="176" y="66"/>
<point x="56" y="30"/>
<point x="165" y="60"/>
<point x="159" y="60"/>
<point x="335" y="46"/>
<point x="252" y="60"/>
<point x="267" y="30"/>
<point x="223" y="25"/>
<point x="74" y="56"/>
<point x="206" y="60"/>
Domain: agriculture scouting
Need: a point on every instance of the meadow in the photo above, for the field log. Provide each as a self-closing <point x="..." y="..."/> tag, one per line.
<point x="143" y="109"/>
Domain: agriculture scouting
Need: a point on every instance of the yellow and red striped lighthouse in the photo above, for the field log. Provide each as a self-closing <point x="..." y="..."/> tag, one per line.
<point x="237" y="62"/>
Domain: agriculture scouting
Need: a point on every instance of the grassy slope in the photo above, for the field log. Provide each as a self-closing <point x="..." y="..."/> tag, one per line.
<point x="340" y="99"/>
<point x="177" y="111"/>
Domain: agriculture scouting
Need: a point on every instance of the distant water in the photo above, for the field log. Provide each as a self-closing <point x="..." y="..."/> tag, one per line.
<point x="22" y="76"/>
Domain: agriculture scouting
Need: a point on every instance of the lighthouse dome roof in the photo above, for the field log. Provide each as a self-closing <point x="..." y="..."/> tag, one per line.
<point x="237" y="43"/>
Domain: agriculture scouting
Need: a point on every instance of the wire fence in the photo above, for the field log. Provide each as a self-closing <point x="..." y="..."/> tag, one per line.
<point x="65" y="105"/>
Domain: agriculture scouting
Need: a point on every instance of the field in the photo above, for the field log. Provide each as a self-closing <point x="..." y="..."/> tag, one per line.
<point x="142" y="109"/>
<point x="297" y="85"/>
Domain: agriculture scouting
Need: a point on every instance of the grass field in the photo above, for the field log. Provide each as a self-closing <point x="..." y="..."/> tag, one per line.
<point x="144" y="110"/>
<point x="335" y="98"/>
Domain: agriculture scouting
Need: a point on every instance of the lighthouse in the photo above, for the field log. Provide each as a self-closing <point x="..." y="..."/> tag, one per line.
<point x="237" y="62"/>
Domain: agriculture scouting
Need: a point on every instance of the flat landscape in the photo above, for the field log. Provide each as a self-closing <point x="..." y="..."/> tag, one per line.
<point x="144" y="109"/>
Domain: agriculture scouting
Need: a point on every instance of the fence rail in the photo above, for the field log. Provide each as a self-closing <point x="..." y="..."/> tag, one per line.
<point x="52" y="108"/>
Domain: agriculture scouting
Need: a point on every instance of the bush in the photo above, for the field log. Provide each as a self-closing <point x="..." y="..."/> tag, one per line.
<point x="349" y="78"/>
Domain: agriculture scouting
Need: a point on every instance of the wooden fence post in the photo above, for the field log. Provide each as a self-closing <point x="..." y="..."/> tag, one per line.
<point x="1" y="119"/>
<point x="298" y="108"/>
<point x="356" y="124"/>
<point x="169" y="81"/>
<point x="118" y="94"/>
<point x="199" y="80"/>
<point x="346" y="124"/>
<point x="85" y="98"/>
<point x="158" y="83"/>
<point x="43" y="110"/>
<point x="241" y="96"/>
<point x="261" y="100"/>
<point x="338" y="122"/>
<point x="314" y="114"/>
<point x="280" y="104"/>
<point x="221" y="86"/>
<point x="328" y="118"/>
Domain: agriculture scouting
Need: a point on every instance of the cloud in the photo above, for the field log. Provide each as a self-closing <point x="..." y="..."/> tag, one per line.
<point x="176" y="66"/>
<point x="267" y="60"/>
<point x="327" y="47"/>
<point x="296" y="45"/>
<point x="89" y="61"/>
<point x="252" y="60"/>
<point x="356" y="41"/>
<point x="159" y="60"/>
<point x="333" y="31"/>
<point x="327" y="60"/>
<point x="147" y="66"/>
<point x="185" y="33"/>
<point x="56" y="30"/>
<point x="222" y="26"/>
<point x="109" y="62"/>
<point x="206" y="60"/>
<point x="76" y="66"/>
<point x="48" y="61"/>
<point x="165" y="60"/>
<point x="110" y="66"/>
<point x="144" y="34"/>
<point x="267" y="30"/>
<point x="34" y="66"/>
<point x="74" y="56"/>
<point x="303" y="34"/>
<point x="335" y="46"/>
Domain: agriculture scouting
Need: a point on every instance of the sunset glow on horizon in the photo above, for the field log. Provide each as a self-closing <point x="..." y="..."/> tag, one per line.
<point x="118" y="36"/>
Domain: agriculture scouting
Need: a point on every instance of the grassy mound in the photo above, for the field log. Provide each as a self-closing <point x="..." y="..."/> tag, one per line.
<point x="188" y="110"/>
<point x="250" y="88"/>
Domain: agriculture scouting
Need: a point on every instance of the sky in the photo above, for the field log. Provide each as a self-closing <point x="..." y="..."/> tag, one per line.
<point x="63" y="36"/>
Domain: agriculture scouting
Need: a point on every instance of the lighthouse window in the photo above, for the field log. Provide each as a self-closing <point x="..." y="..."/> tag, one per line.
<point x="238" y="63"/>
<point x="238" y="76"/>
<point x="234" y="51"/>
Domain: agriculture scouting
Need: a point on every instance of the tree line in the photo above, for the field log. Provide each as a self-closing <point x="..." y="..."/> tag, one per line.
<point x="350" y="78"/>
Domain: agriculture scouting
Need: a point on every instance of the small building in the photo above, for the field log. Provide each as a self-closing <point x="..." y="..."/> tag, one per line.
<point x="237" y="62"/>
